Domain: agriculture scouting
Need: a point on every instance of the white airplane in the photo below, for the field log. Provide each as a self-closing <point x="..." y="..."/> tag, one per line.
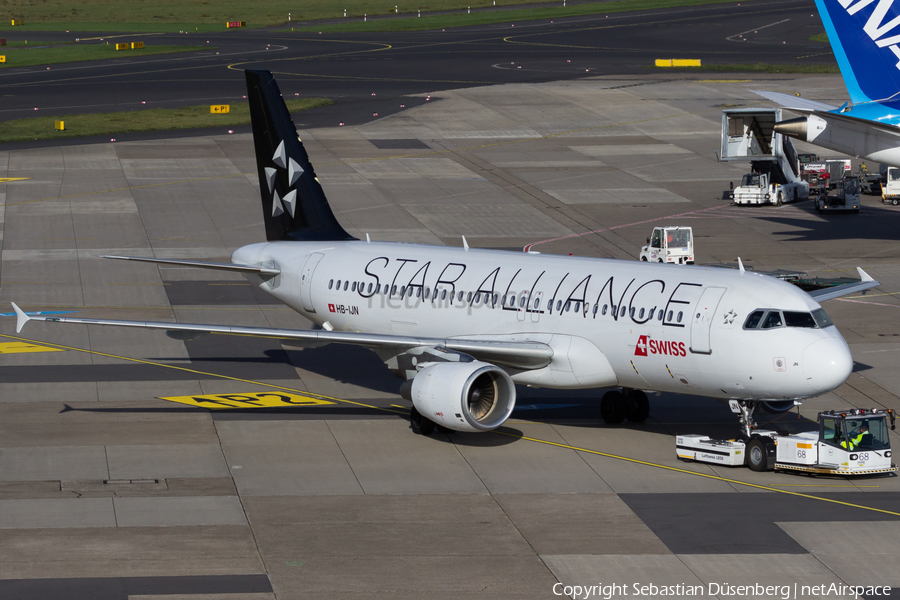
<point x="865" y="38"/>
<point x="464" y="326"/>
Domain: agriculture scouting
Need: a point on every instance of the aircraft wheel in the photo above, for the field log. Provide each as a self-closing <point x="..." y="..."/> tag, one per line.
<point x="756" y="456"/>
<point x="637" y="406"/>
<point x="419" y="424"/>
<point x="612" y="407"/>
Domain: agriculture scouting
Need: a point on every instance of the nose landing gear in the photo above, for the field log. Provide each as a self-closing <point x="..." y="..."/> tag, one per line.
<point x="616" y="406"/>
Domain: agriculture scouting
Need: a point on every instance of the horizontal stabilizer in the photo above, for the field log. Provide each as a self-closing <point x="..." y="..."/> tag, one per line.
<point x="866" y="282"/>
<point x="789" y="101"/>
<point x="203" y="265"/>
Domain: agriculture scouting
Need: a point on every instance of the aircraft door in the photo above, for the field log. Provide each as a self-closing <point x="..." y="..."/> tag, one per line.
<point x="306" y="276"/>
<point x="536" y="301"/>
<point x="703" y="316"/>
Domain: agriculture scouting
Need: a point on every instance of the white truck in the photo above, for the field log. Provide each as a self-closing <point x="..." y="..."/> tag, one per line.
<point x="748" y="134"/>
<point x="671" y="244"/>
<point x="843" y="197"/>
<point x="846" y="442"/>
<point x="890" y="189"/>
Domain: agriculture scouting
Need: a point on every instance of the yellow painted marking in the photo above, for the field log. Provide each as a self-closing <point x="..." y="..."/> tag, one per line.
<point x="516" y="435"/>
<point x="250" y="400"/>
<point x="204" y="373"/>
<point x="23" y="347"/>
<point x="823" y="485"/>
<point x="9" y="179"/>
<point x="694" y="473"/>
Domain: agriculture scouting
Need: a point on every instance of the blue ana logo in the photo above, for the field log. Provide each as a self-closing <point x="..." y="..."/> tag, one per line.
<point x="875" y="26"/>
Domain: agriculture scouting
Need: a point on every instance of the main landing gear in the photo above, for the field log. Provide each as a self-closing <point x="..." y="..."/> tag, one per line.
<point x="616" y="406"/>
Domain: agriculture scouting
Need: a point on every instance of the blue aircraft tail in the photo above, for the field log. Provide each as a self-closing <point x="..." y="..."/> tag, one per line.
<point x="865" y="38"/>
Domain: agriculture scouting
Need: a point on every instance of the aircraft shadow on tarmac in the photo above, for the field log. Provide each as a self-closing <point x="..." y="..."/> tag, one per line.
<point x="873" y="223"/>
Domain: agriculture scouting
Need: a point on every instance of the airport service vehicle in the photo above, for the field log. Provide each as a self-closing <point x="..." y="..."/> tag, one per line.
<point x="846" y="442"/>
<point x="865" y="38"/>
<point x="748" y="135"/>
<point x="890" y="190"/>
<point x="844" y="197"/>
<point x="829" y="170"/>
<point x="870" y="183"/>
<point x="672" y="244"/>
<point x="463" y="326"/>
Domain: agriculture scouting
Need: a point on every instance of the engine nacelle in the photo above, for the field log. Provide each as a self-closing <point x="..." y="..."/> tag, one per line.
<point x="776" y="407"/>
<point x="469" y="396"/>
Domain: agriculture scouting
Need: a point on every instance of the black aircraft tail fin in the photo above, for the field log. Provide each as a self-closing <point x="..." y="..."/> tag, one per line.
<point x="294" y="205"/>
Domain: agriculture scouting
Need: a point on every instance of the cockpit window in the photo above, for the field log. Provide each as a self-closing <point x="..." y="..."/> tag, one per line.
<point x="821" y="318"/>
<point x="799" y="319"/>
<point x="753" y="320"/>
<point x="773" y="319"/>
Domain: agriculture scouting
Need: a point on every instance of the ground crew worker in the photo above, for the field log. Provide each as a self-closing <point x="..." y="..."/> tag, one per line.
<point x="855" y="439"/>
<point x="863" y="430"/>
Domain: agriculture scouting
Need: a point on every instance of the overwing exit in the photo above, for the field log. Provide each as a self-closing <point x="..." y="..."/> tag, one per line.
<point x="461" y="327"/>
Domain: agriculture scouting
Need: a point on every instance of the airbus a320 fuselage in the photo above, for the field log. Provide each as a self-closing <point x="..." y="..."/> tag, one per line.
<point x="463" y="326"/>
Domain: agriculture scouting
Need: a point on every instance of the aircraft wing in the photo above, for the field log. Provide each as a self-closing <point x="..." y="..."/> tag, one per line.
<point x="788" y="101"/>
<point x="520" y="355"/>
<point x="866" y="282"/>
<point x="203" y="265"/>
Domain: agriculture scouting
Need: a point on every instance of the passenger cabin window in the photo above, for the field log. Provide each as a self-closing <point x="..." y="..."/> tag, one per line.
<point x="346" y="284"/>
<point x="331" y="284"/>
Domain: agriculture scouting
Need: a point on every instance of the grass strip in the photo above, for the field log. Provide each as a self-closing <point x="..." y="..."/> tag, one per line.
<point x="205" y="15"/>
<point x="211" y="15"/>
<point x="755" y="68"/>
<point x="819" y="37"/>
<point x="505" y="16"/>
<point x="154" y="119"/>
<point x="34" y="54"/>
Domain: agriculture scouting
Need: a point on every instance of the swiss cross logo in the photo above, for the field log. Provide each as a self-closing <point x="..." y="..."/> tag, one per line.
<point x="331" y="308"/>
<point x="640" y="348"/>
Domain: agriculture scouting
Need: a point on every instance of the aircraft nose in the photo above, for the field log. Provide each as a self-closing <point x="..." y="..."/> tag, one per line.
<point x="827" y="364"/>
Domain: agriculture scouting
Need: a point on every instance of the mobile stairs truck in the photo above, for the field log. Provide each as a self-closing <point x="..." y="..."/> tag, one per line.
<point x="748" y="134"/>
<point x="846" y="442"/>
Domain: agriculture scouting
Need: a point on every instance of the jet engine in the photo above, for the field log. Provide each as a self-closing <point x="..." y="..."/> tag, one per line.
<point x="463" y="396"/>
<point x="776" y="407"/>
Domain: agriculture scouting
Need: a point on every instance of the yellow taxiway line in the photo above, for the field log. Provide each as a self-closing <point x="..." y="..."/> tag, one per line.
<point x="496" y="431"/>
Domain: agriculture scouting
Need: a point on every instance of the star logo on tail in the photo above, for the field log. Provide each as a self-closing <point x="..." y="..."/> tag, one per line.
<point x="294" y="171"/>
